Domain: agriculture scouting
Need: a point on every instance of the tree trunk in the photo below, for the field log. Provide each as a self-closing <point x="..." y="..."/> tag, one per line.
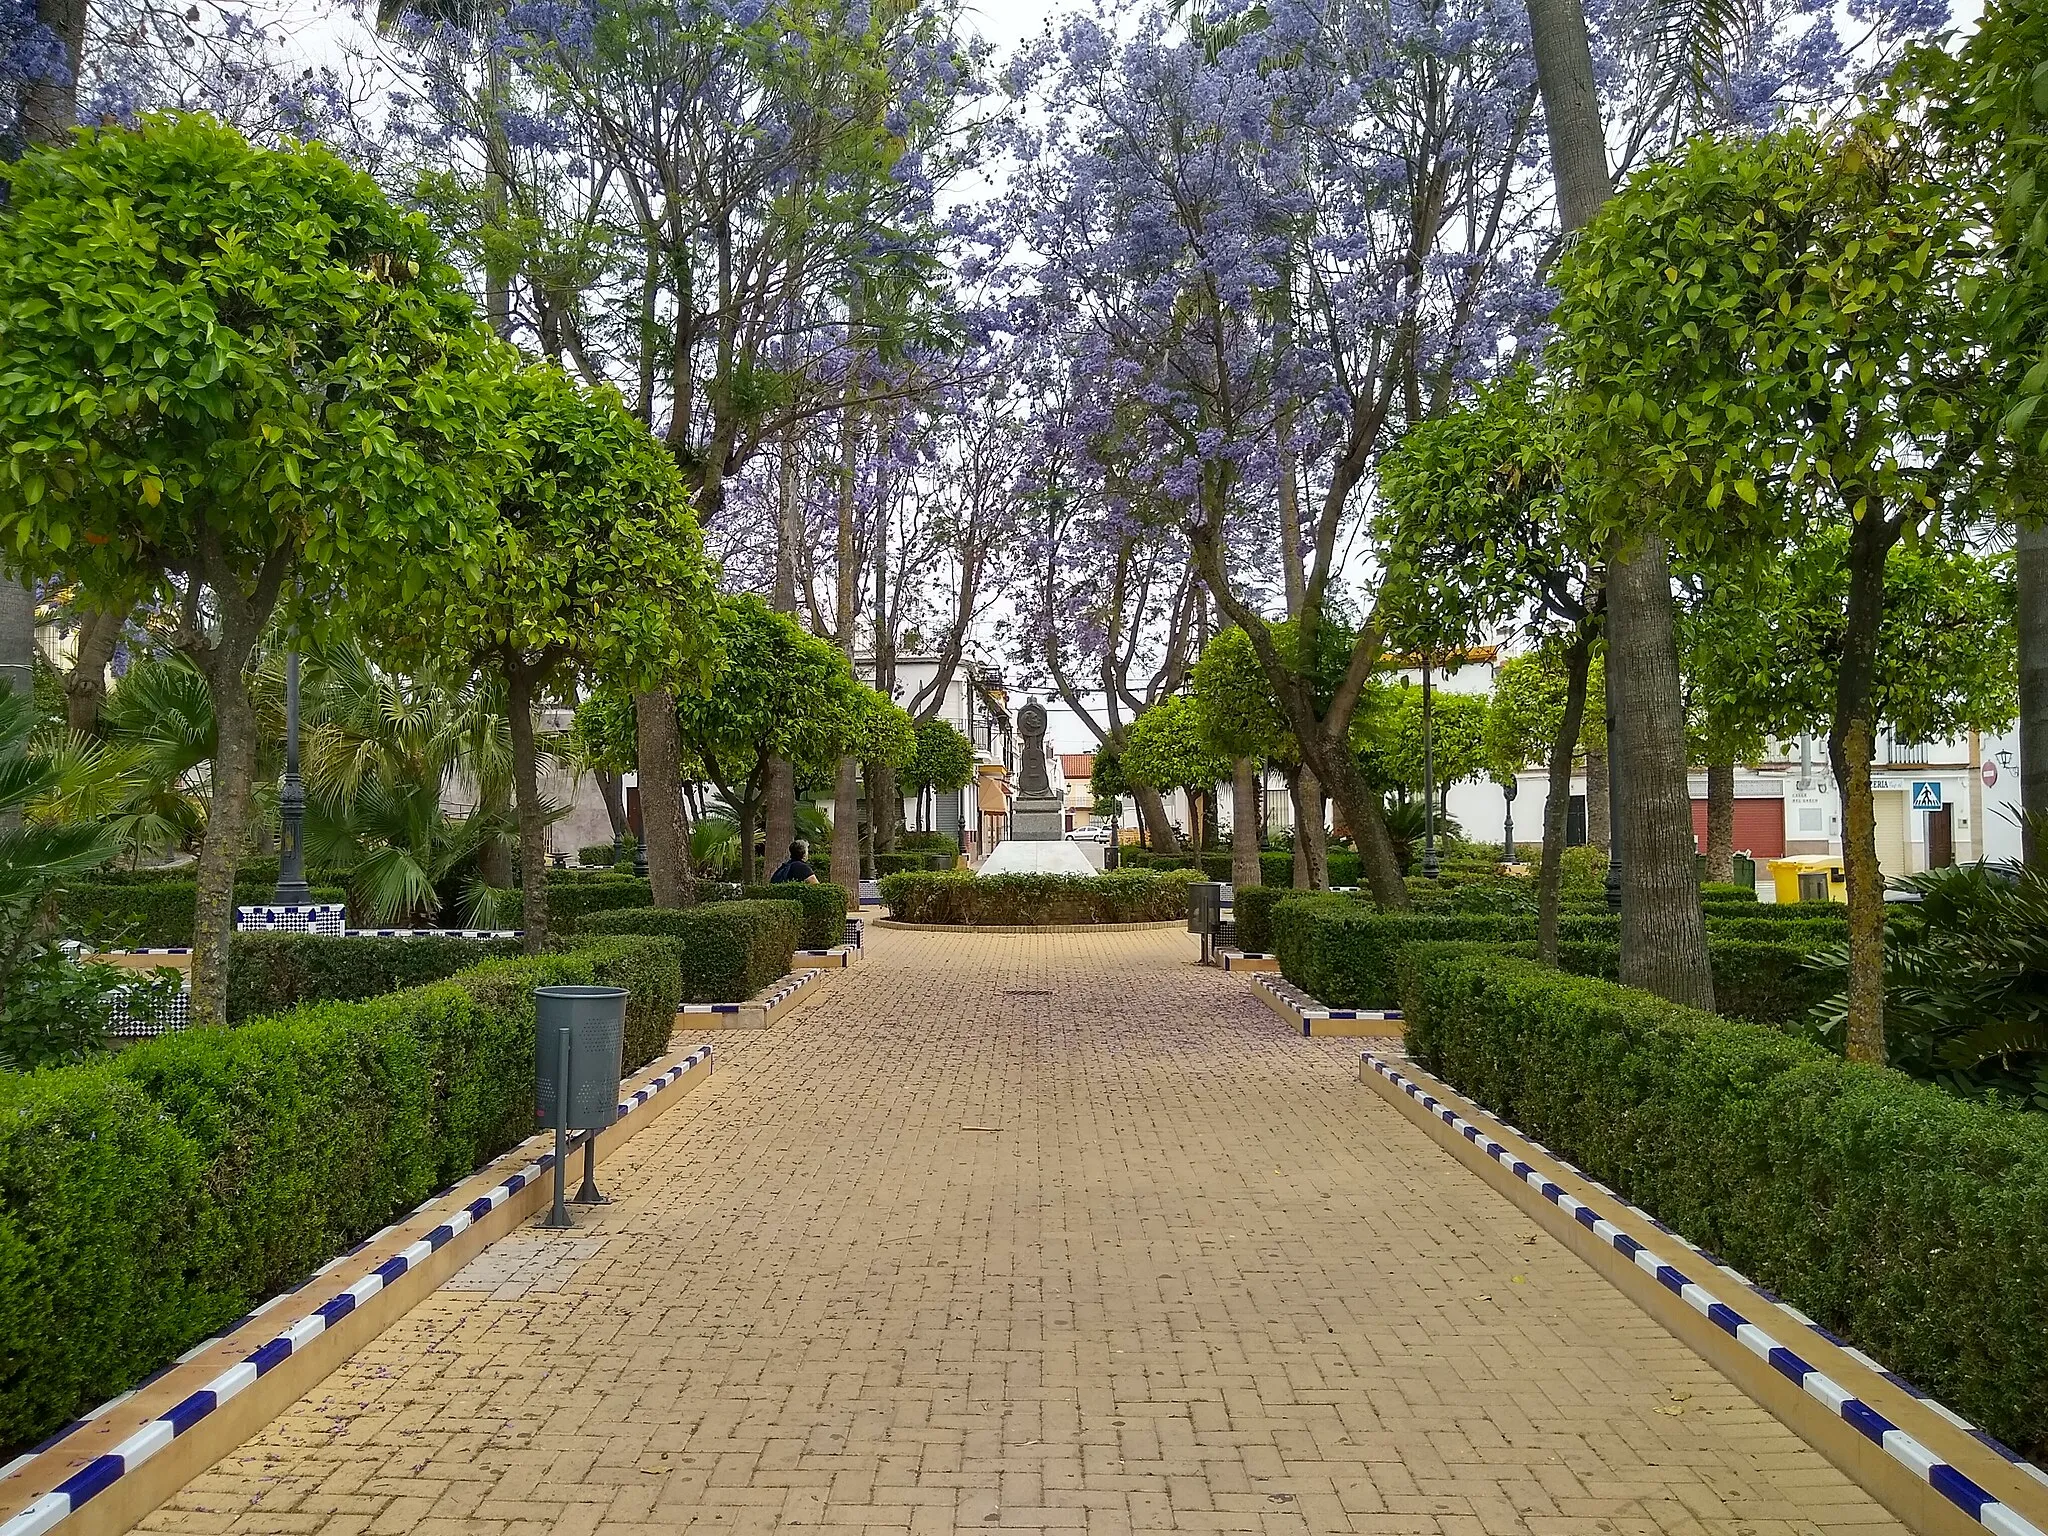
<point x="2033" y="645"/>
<point x="1663" y="935"/>
<point x="85" y="685"/>
<point x="1152" y="811"/>
<point x="1598" y="832"/>
<point x="494" y="854"/>
<point x="778" y="810"/>
<point x="1365" y="813"/>
<point x="1721" y="821"/>
<point x="614" y="802"/>
<point x="1311" y="842"/>
<point x="49" y="108"/>
<point x="1244" y="823"/>
<point x="659" y="747"/>
<point x="846" y="830"/>
<point x="1578" y="659"/>
<point x="1571" y="109"/>
<point x="1852" y="744"/>
<point x="17" y="637"/>
<point x="885" y="807"/>
<point x="744" y="811"/>
<point x="533" y="845"/>
<point x="228" y="812"/>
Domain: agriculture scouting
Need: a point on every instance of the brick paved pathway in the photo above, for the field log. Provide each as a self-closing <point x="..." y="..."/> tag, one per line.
<point x="1060" y="1233"/>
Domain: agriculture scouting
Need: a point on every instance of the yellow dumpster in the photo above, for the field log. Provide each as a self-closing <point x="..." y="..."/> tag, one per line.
<point x="1809" y="877"/>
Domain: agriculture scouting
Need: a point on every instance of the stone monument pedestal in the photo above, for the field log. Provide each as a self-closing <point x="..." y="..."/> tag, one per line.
<point x="1038" y="819"/>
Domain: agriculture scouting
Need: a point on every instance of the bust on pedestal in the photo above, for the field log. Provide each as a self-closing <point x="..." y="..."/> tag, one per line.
<point x="1037" y="841"/>
<point x="1038" y="814"/>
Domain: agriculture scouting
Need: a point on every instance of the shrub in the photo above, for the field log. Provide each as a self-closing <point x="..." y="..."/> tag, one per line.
<point x="151" y="914"/>
<point x="823" y="906"/>
<point x="1345" y="952"/>
<point x="1126" y="896"/>
<point x="897" y="863"/>
<point x="729" y="949"/>
<point x="570" y="902"/>
<point x="926" y="842"/>
<point x="604" y="855"/>
<point x="1909" y="1221"/>
<point x="271" y="972"/>
<point x="1726" y="890"/>
<point x="1252" y="906"/>
<point x="1762" y="983"/>
<point x="150" y="1198"/>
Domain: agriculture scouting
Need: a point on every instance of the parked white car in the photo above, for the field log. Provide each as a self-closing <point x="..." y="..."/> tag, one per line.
<point x="1097" y="833"/>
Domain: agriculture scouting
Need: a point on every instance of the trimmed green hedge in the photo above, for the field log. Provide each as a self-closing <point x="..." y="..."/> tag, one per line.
<point x="151" y="914"/>
<point x="571" y="901"/>
<point x="1726" y="890"/>
<point x="1276" y="866"/>
<point x="604" y="855"/>
<point x="1909" y="1221"/>
<point x="1759" y="982"/>
<point x="823" y="906"/>
<point x="1252" y="908"/>
<point x="729" y="949"/>
<point x="148" y="1199"/>
<point x="1345" y="952"/>
<point x="1123" y="896"/>
<point x="271" y="972"/>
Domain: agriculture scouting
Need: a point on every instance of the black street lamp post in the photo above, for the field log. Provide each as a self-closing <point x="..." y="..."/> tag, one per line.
<point x="292" y="890"/>
<point x="1509" y="788"/>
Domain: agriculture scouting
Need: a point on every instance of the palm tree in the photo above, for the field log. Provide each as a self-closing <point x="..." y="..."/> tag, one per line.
<point x="1663" y="935"/>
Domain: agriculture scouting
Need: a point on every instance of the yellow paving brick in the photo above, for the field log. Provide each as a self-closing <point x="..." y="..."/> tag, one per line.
<point x="1014" y="1232"/>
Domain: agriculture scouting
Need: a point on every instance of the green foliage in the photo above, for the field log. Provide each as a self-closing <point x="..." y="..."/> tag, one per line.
<point x="151" y="914"/>
<point x="1168" y="748"/>
<point x="1107" y="782"/>
<point x="58" y="1009"/>
<point x="943" y="761"/>
<point x="1239" y="715"/>
<point x="823" y="906"/>
<point x="1851" y="1191"/>
<point x="1965" y="983"/>
<point x="1482" y="519"/>
<point x="1345" y="953"/>
<point x="1252" y="906"/>
<point x="568" y="902"/>
<point x="274" y="972"/>
<point x="605" y="855"/>
<point x="1527" y="709"/>
<point x="149" y="1198"/>
<point x="1004" y="901"/>
<point x="1457" y="738"/>
<point x="729" y="949"/>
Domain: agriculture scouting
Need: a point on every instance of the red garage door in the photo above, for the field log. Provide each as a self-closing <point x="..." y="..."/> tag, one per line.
<point x="1759" y="827"/>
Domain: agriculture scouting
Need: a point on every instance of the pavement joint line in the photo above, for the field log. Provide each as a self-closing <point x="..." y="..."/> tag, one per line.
<point x="1948" y="1481"/>
<point x="100" y="1474"/>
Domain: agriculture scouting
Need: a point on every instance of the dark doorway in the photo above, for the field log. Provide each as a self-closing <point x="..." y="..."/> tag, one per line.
<point x="1575" y="823"/>
<point x="1941" y="838"/>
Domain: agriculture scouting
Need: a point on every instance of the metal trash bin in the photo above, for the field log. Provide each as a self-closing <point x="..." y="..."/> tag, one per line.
<point x="1205" y="914"/>
<point x="596" y="1020"/>
<point x="579" y="1048"/>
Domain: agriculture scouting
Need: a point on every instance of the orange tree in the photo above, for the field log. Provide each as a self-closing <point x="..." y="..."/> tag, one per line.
<point x="1772" y="337"/>
<point x="593" y="562"/>
<point x="226" y="371"/>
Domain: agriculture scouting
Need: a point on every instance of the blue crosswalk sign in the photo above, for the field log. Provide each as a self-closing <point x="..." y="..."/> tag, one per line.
<point x="1927" y="794"/>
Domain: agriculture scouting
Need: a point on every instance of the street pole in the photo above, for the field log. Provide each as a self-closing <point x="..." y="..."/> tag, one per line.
<point x="1508" y="790"/>
<point x="292" y="890"/>
<point x="1430" y="866"/>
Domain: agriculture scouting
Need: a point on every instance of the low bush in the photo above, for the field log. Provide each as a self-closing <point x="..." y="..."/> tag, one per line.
<point x="1762" y="983"/>
<point x="151" y="914"/>
<point x="150" y="1198"/>
<point x="1126" y="896"/>
<point x="604" y="855"/>
<point x="823" y="906"/>
<point x="897" y="863"/>
<point x="1909" y="1221"/>
<point x="272" y="972"/>
<point x="927" y="842"/>
<point x="1345" y="952"/>
<point x="570" y="902"/>
<point x="1726" y="890"/>
<point x="729" y="950"/>
<point x="1252" y="907"/>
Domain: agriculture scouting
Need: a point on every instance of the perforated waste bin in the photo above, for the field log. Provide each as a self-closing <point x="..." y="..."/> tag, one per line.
<point x="595" y="1018"/>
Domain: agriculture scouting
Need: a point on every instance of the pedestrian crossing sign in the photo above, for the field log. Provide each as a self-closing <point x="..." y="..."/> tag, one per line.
<point x="1927" y="794"/>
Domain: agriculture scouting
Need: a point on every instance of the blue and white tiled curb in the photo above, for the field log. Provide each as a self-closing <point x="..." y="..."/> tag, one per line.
<point x="100" y="1474"/>
<point x="322" y="917"/>
<point x="1295" y="1005"/>
<point x="760" y="1009"/>
<point x="1896" y="1443"/>
<point x="433" y="933"/>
